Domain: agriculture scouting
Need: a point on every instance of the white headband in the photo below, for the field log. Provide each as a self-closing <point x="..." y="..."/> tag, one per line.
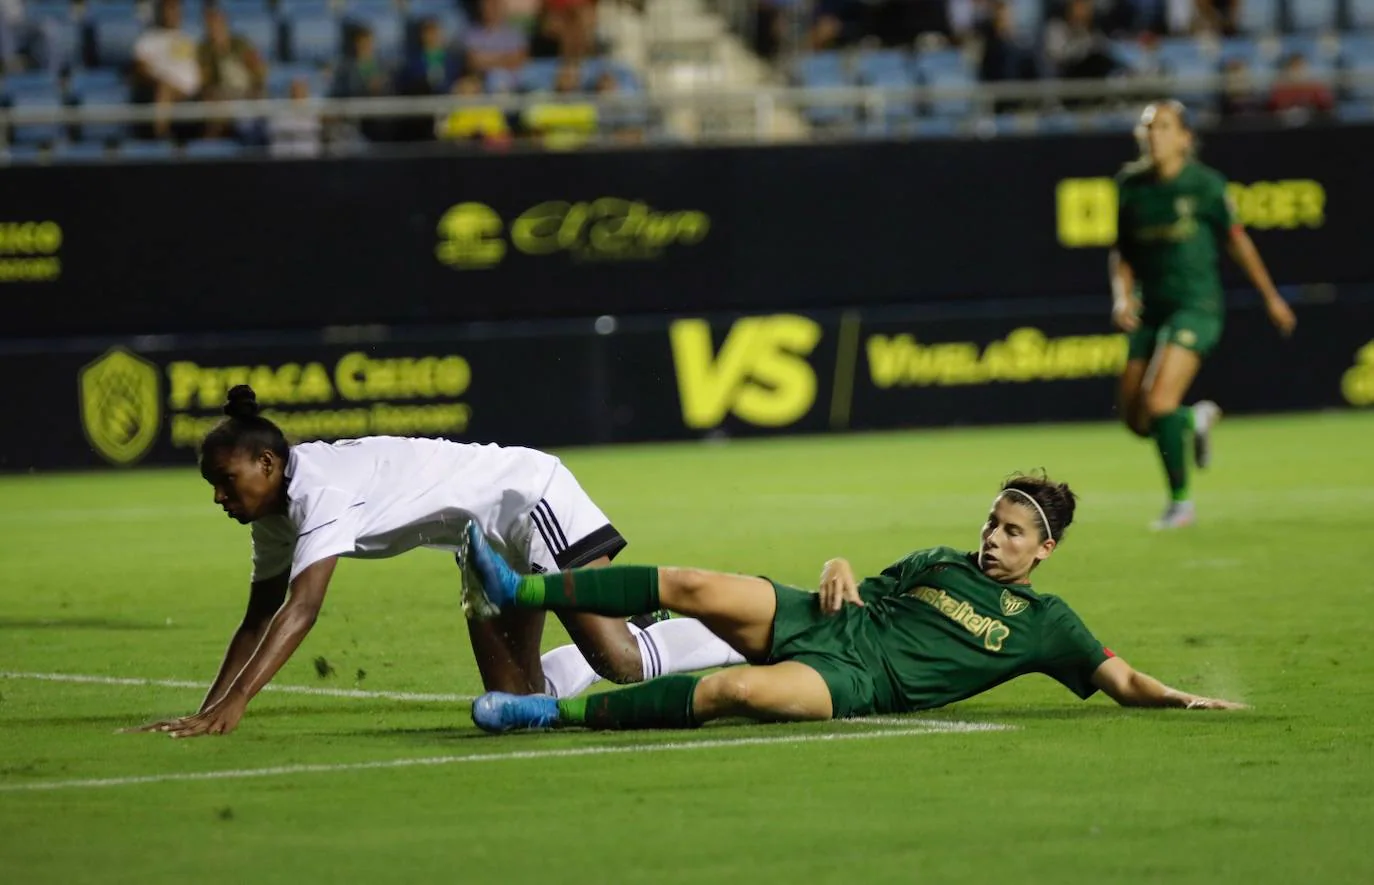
<point x="1034" y="503"/>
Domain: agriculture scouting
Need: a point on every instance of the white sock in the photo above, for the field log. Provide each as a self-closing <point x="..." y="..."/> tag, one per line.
<point x="678" y="645"/>
<point x="682" y="645"/>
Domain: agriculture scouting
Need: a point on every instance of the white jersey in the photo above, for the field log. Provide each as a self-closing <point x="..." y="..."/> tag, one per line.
<point x="381" y="496"/>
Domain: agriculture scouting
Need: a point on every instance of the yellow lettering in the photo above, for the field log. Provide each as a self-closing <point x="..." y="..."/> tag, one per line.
<point x="1265" y="205"/>
<point x="760" y="374"/>
<point x="1024" y="355"/>
<point x="359" y="377"/>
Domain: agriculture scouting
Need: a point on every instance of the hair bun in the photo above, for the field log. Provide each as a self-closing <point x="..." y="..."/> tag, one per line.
<point x="241" y="402"/>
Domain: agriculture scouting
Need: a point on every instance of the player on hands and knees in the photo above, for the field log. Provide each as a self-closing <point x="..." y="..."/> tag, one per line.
<point x="1173" y="219"/>
<point x="378" y="497"/>
<point x="935" y="628"/>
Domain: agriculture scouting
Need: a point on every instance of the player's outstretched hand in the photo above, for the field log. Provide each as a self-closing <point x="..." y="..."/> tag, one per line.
<point x="1126" y="314"/>
<point x="838" y="586"/>
<point x="1215" y="704"/>
<point x="220" y="717"/>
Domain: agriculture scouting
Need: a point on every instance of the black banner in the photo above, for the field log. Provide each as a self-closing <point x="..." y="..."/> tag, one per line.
<point x="581" y="383"/>
<point x="214" y="247"/>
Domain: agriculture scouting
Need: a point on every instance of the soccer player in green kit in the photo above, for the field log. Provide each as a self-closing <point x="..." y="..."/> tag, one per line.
<point x="1173" y="217"/>
<point x="935" y="628"/>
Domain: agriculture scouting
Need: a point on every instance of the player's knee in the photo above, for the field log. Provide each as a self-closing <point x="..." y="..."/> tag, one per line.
<point x="684" y="587"/>
<point x="1160" y="403"/>
<point x="621" y="665"/>
<point x="728" y="690"/>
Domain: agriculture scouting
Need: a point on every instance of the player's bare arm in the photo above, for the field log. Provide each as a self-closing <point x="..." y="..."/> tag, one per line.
<point x="1125" y="307"/>
<point x="1131" y="688"/>
<point x="1243" y="251"/>
<point x="264" y="599"/>
<point x="284" y="634"/>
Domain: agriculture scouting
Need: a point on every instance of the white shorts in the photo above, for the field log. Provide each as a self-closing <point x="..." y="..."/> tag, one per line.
<point x="568" y="530"/>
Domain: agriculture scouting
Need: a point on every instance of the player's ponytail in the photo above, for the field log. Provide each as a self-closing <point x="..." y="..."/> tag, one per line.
<point x="244" y="429"/>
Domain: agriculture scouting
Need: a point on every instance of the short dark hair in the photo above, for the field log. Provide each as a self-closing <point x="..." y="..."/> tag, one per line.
<point x="1056" y="500"/>
<point x="244" y="429"/>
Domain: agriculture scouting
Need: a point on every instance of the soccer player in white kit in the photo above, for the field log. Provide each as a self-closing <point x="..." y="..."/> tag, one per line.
<point x="378" y="497"/>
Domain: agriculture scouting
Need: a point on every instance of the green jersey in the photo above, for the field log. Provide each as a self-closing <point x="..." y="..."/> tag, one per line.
<point x="1170" y="232"/>
<point x="942" y="631"/>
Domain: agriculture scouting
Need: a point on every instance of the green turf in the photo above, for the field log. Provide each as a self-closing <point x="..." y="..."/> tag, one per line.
<point x="138" y="575"/>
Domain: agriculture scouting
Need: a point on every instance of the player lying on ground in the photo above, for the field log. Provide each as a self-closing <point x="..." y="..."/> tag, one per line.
<point x="1173" y="219"/>
<point x="382" y="496"/>
<point x="935" y="628"/>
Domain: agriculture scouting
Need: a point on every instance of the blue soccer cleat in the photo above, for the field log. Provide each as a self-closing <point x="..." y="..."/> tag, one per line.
<point x="497" y="711"/>
<point x="488" y="582"/>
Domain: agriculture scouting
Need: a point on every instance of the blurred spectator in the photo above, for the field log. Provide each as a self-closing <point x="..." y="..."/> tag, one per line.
<point x="433" y="67"/>
<point x="485" y="125"/>
<point x="837" y="23"/>
<point x="230" y="68"/>
<point x="25" y="43"/>
<point x="1075" y="46"/>
<point x="567" y="121"/>
<point x="166" y="70"/>
<point x="574" y="24"/>
<point x="297" y="131"/>
<point x="1217" y="16"/>
<point x="1239" y="99"/>
<point x="1297" y="94"/>
<point x="1005" y="56"/>
<point x="568" y="79"/>
<point x="361" y="75"/>
<point x="494" y="42"/>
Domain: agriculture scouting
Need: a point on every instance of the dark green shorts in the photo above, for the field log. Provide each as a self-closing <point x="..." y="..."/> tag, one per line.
<point x="1196" y="330"/>
<point x="826" y="644"/>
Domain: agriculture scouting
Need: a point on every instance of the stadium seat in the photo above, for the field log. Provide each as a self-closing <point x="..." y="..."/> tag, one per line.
<point x="1059" y="123"/>
<point x="625" y="76"/>
<point x="936" y="127"/>
<point x="1133" y="55"/>
<point x="80" y="152"/>
<point x="21" y="154"/>
<point x="1355" y="112"/>
<point x="113" y="34"/>
<point x="537" y="75"/>
<point x="85" y="79"/>
<point x="36" y="98"/>
<point x="821" y="69"/>
<point x="28" y="81"/>
<point x="949" y="77"/>
<point x="1357" y="58"/>
<point x="146" y="150"/>
<point x="1181" y="50"/>
<point x="1359" y="15"/>
<point x="61" y="10"/>
<point x="115" y="94"/>
<point x="1258" y="17"/>
<point x="1312" y="15"/>
<point x="883" y="67"/>
<point x="236" y="8"/>
<point x="313" y="38"/>
<point x="940" y="60"/>
<point x="1029" y="16"/>
<point x="1110" y="121"/>
<point x="1316" y="48"/>
<point x="1016" y="124"/>
<point x="260" y="29"/>
<point x="61" y="33"/>
<point x="1258" y="58"/>
<point x="213" y="149"/>
<point x="388" y="32"/>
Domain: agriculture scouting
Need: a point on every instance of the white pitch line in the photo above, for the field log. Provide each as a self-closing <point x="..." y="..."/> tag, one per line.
<point x="237" y="774"/>
<point x="280" y="689"/>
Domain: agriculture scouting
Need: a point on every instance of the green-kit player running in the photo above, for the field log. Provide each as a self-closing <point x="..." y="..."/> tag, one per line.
<point x="935" y="628"/>
<point x="1173" y="218"/>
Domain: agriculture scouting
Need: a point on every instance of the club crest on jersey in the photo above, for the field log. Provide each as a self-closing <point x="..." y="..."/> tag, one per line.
<point x="120" y="411"/>
<point x="1184" y="207"/>
<point x="1012" y="604"/>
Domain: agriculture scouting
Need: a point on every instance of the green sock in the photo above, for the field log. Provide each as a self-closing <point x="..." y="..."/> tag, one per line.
<point x="665" y="702"/>
<point x="1171" y="437"/>
<point x="616" y="591"/>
